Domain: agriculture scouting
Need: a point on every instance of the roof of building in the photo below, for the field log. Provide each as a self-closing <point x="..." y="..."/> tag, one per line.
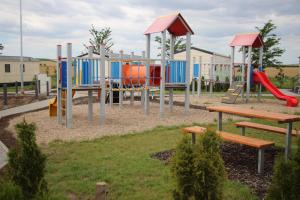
<point x="174" y="23"/>
<point x="247" y="39"/>
<point x="204" y="51"/>
<point x="17" y="59"/>
<point x="114" y="55"/>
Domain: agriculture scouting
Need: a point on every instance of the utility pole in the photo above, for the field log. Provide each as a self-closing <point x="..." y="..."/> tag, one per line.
<point x="21" y="49"/>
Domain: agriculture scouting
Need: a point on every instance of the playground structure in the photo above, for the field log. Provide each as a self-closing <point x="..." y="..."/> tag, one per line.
<point x="134" y="74"/>
<point x="254" y="76"/>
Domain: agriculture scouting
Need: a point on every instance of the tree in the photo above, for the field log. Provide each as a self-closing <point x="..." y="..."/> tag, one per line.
<point x="98" y="37"/>
<point x="179" y="45"/>
<point x="286" y="179"/>
<point x="27" y="163"/>
<point x="199" y="169"/>
<point x="1" y="48"/>
<point x="271" y="51"/>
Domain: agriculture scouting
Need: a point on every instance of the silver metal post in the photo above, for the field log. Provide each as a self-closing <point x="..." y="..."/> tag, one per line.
<point x="211" y="75"/>
<point x="220" y="121"/>
<point x="121" y="81"/>
<point x="102" y="84"/>
<point x="143" y="91"/>
<point x="199" y="77"/>
<point x="162" y="75"/>
<point x="110" y="81"/>
<point x="21" y="49"/>
<point x="261" y="50"/>
<point x="260" y="166"/>
<point x="248" y="73"/>
<point x="58" y="85"/>
<point x="131" y="91"/>
<point x="231" y="66"/>
<point x="187" y="79"/>
<point x="69" y="87"/>
<point x="147" y="103"/>
<point x="288" y="140"/>
<point x="90" y="92"/>
<point x="243" y="70"/>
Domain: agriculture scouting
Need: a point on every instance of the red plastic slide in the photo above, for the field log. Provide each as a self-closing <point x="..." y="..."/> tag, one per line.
<point x="261" y="77"/>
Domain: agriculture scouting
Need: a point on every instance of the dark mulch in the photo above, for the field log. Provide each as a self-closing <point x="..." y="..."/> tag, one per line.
<point x="241" y="165"/>
<point x="20" y="100"/>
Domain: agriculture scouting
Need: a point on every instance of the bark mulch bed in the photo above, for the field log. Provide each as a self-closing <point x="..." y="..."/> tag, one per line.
<point x="241" y="165"/>
<point x="20" y="100"/>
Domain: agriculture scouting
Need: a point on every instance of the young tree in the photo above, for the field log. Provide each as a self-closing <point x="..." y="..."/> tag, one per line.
<point x="1" y="48"/>
<point x="271" y="51"/>
<point x="27" y="163"/>
<point x="179" y="45"/>
<point x="98" y="37"/>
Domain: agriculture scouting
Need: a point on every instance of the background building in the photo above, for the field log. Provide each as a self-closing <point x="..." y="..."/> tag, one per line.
<point x="213" y="65"/>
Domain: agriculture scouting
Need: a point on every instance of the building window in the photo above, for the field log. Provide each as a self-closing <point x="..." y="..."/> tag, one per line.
<point x="7" y="68"/>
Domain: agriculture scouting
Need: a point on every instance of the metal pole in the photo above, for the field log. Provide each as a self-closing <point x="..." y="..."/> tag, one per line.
<point x="58" y="85"/>
<point x="147" y="102"/>
<point x="102" y="82"/>
<point x="90" y="92"/>
<point x="143" y="91"/>
<point x="288" y="140"/>
<point x="16" y="87"/>
<point x="171" y="92"/>
<point x="231" y="66"/>
<point x="261" y="50"/>
<point x="211" y="75"/>
<point x="131" y="77"/>
<point x="121" y="81"/>
<point x="69" y="86"/>
<point x="47" y="88"/>
<point x="194" y="78"/>
<point x="5" y="96"/>
<point x="187" y="79"/>
<point x="243" y="69"/>
<point x="110" y="82"/>
<point x="248" y="73"/>
<point x="162" y="75"/>
<point x="199" y="77"/>
<point x="21" y="49"/>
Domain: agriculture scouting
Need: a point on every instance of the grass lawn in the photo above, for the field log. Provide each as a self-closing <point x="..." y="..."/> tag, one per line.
<point x="124" y="162"/>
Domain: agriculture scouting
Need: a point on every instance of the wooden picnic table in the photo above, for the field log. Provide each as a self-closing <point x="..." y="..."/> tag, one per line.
<point x="260" y="114"/>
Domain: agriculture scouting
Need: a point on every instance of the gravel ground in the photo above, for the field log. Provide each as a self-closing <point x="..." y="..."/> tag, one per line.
<point x="131" y="118"/>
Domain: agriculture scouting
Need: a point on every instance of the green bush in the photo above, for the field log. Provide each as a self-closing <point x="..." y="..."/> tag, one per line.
<point x="199" y="169"/>
<point x="10" y="191"/>
<point x="286" y="179"/>
<point x="27" y="163"/>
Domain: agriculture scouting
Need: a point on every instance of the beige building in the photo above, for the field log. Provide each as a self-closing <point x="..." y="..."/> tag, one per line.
<point x="213" y="65"/>
<point x="10" y="69"/>
<point x="47" y="66"/>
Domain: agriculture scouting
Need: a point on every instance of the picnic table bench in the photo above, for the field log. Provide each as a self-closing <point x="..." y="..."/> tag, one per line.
<point x="259" y="144"/>
<point x="260" y="114"/>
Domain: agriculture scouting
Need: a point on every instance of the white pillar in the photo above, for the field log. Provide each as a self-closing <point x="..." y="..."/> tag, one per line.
<point x="147" y="103"/>
<point x="193" y="78"/>
<point x="102" y="83"/>
<point x="90" y="92"/>
<point x="58" y="85"/>
<point x="199" y="77"/>
<point x="162" y="75"/>
<point x="121" y="81"/>
<point x="261" y="50"/>
<point x="110" y="81"/>
<point x="243" y="69"/>
<point x="172" y="43"/>
<point x="131" y="78"/>
<point x="231" y="66"/>
<point x="188" y="61"/>
<point x="69" y="86"/>
<point x="249" y="72"/>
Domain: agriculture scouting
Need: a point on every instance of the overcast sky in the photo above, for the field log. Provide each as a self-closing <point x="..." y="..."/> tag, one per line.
<point x="50" y="22"/>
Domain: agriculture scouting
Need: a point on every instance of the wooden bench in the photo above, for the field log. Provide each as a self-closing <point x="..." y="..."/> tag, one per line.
<point x="244" y="125"/>
<point x="239" y="139"/>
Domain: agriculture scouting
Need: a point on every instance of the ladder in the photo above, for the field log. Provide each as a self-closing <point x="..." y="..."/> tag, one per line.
<point x="233" y="92"/>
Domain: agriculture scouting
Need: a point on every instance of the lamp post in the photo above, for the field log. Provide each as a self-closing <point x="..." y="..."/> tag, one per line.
<point x="21" y="51"/>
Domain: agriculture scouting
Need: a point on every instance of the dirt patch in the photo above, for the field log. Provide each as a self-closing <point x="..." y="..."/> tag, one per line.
<point x="6" y="136"/>
<point x="20" y="100"/>
<point x="241" y="165"/>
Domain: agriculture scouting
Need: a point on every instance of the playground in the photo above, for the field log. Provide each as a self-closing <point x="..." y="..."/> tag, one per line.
<point x="117" y="117"/>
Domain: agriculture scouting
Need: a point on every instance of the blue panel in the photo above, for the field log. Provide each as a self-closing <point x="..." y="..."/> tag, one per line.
<point x="74" y="65"/>
<point x="64" y="74"/>
<point x="177" y="71"/>
<point x="196" y="71"/>
<point x="115" y="70"/>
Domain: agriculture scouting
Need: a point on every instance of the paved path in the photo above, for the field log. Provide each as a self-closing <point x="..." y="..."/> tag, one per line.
<point x="3" y="155"/>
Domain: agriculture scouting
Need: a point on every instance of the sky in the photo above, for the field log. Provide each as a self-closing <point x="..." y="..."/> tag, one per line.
<point x="47" y="23"/>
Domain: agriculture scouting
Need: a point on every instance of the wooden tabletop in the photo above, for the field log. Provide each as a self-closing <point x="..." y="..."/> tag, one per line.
<point x="252" y="113"/>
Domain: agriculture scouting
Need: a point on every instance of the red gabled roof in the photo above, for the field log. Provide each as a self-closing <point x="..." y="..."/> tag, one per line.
<point x="248" y="39"/>
<point x="174" y="23"/>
